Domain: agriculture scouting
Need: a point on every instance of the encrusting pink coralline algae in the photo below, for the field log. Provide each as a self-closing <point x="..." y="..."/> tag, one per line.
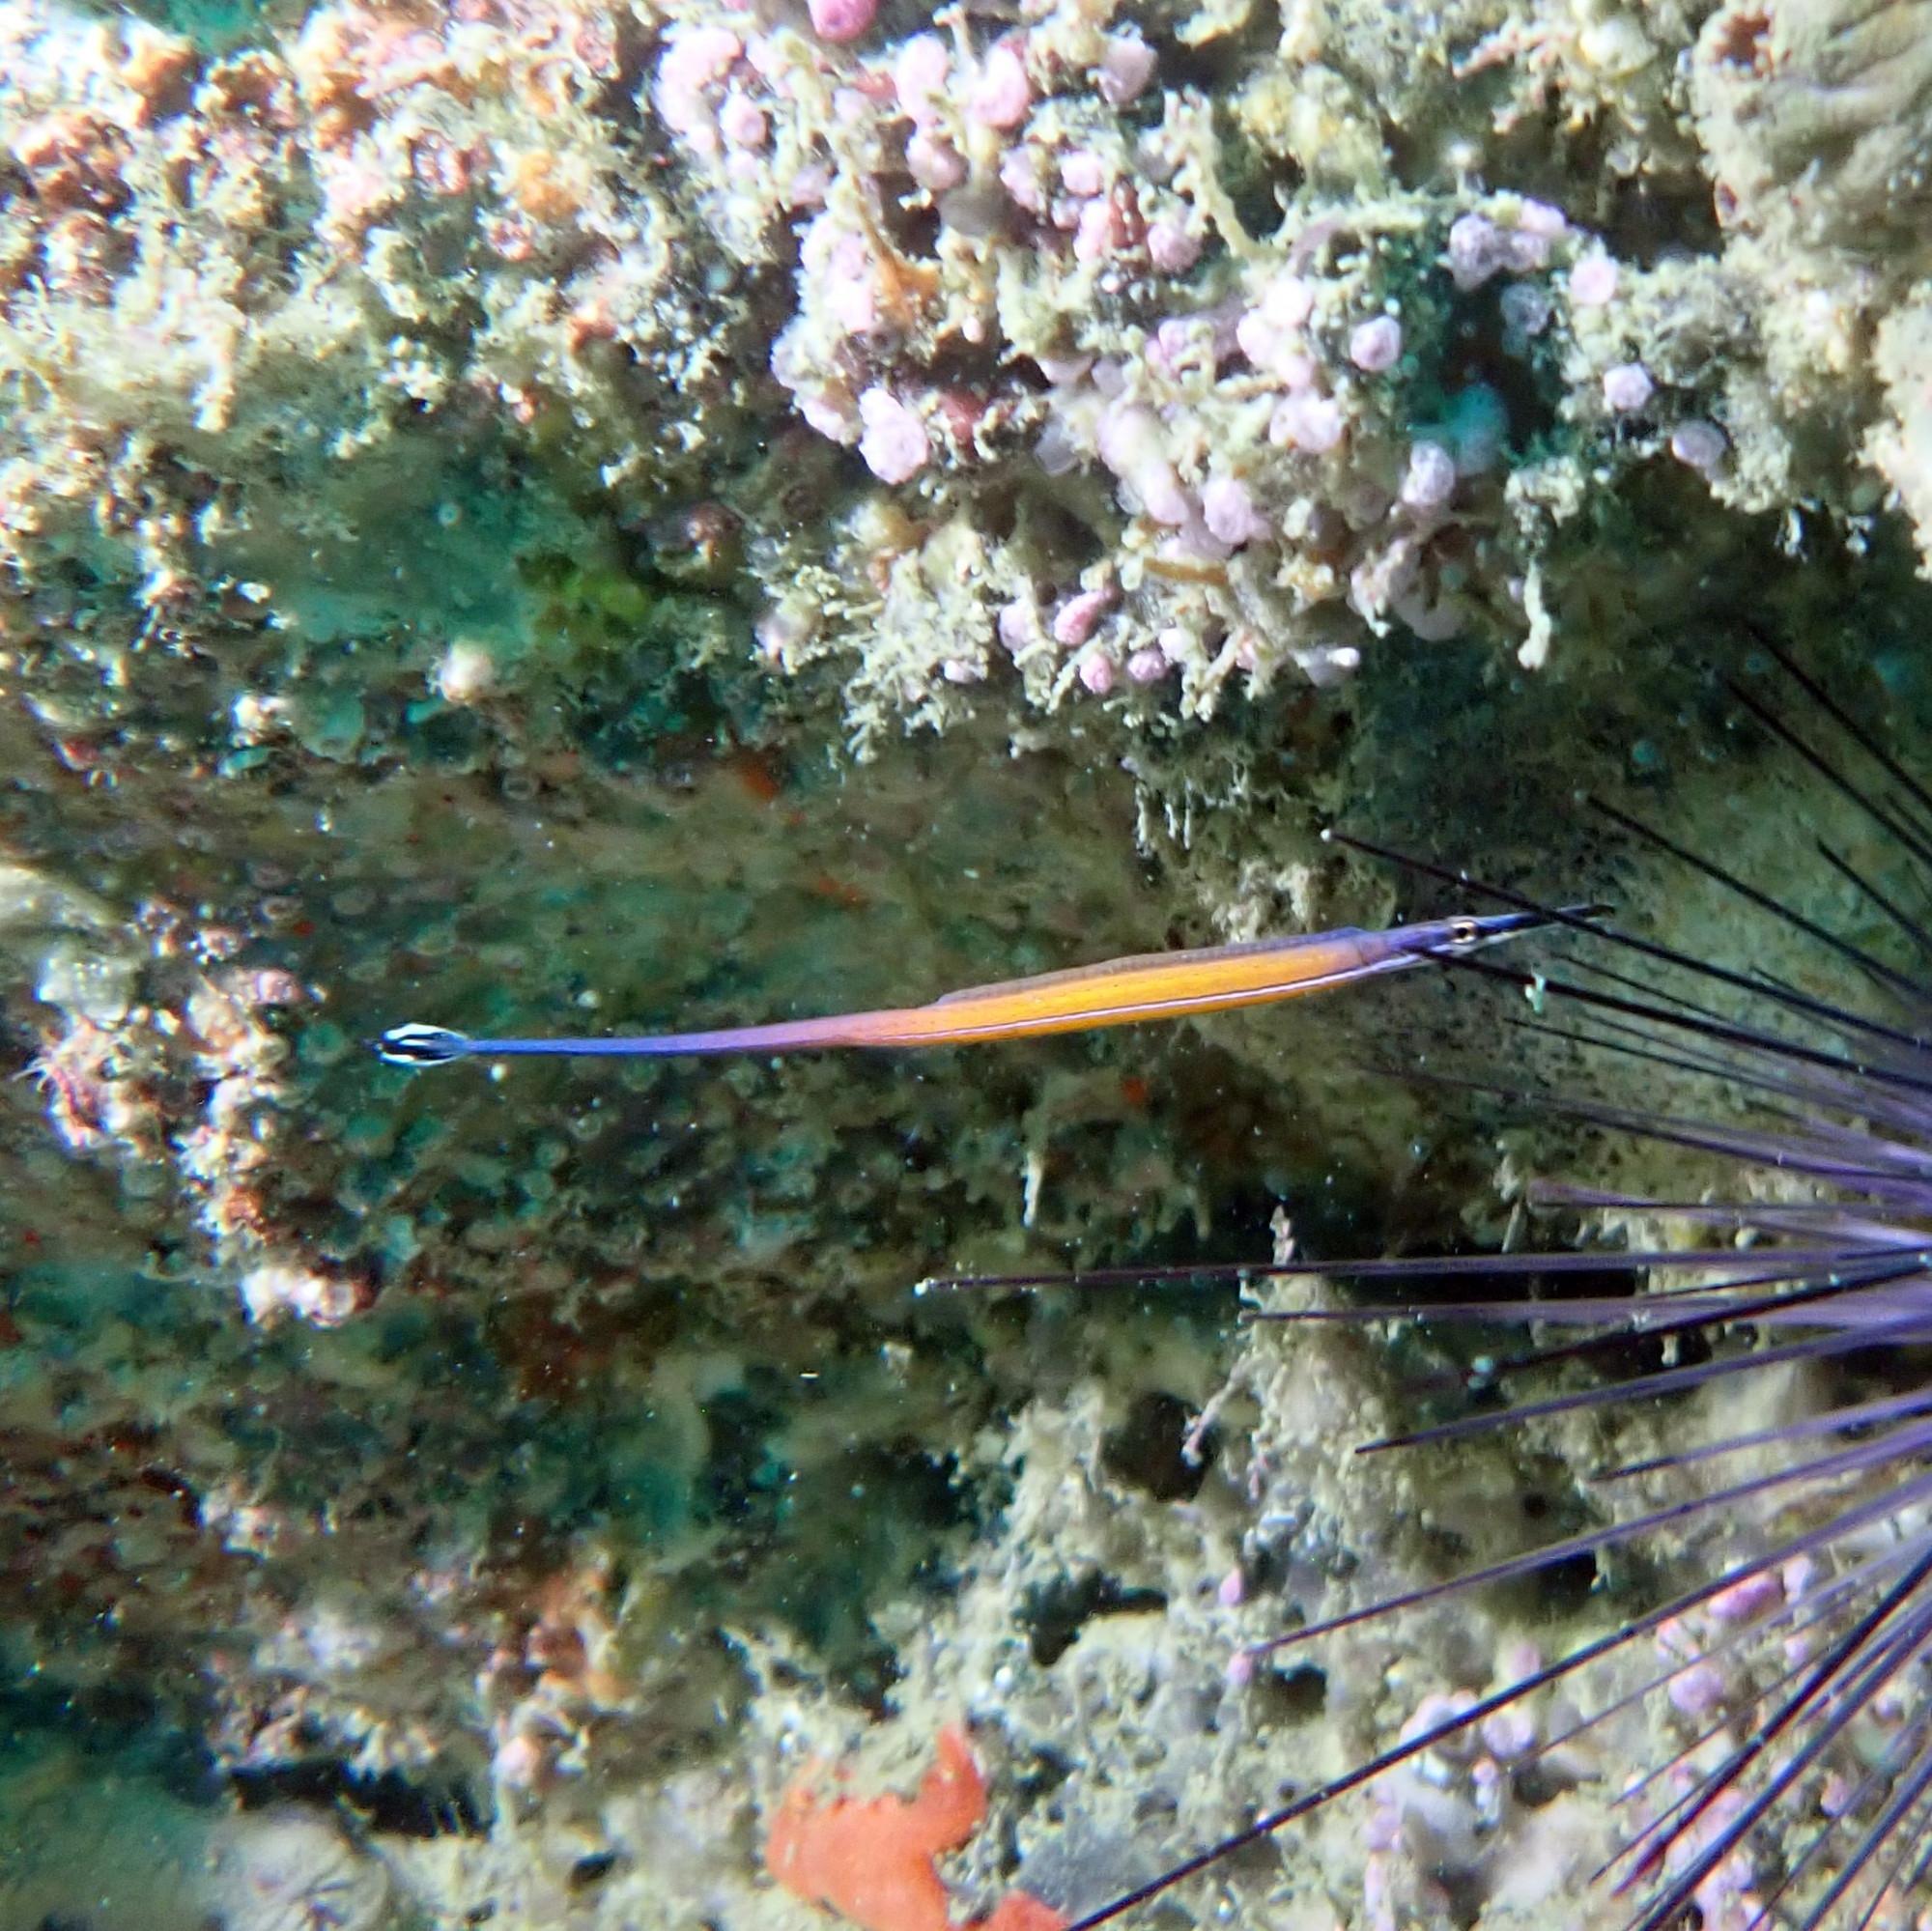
<point x="982" y="290"/>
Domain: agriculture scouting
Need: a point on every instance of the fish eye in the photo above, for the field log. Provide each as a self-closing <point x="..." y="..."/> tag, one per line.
<point x="1462" y="932"/>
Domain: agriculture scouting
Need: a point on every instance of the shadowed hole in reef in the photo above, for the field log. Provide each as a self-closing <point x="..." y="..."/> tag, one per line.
<point x="1566" y="1586"/>
<point x="391" y="1803"/>
<point x="1054" y="1614"/>
<point x="1464" y="1895"/>
<point x="1155" y="1806"/>
<point x="591" y="1870"/>
<point x="1148" y="1450"/>
<point x="1291" y="1696"/>
<point x="1541" y="1782"/>
<point x="1253" y="1144"/>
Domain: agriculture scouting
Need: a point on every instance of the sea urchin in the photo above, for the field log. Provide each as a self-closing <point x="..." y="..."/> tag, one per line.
<point x="1801" y="1789"/>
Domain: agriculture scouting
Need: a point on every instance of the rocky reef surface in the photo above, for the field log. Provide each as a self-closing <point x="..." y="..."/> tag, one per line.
<point x="574" y="516"/>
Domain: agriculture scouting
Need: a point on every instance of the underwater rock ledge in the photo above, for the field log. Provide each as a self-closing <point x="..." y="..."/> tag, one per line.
<point x="1079" y="363"/>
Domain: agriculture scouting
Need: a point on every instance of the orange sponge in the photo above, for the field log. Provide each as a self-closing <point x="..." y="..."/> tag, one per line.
<point x="871" y="1860"/>
<point x="1017" y="1911"/>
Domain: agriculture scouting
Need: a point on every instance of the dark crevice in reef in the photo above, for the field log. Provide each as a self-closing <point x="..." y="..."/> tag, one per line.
<point x="1148" y="1450"/>
<point x="1649" y="221"/>
<point x="1054" y="1616"/>
<point x="1259" y="184"/>
<point x="399" y="1806"/>
<point x="1291" y="1696"/>
<point x="1644" y="217"/>
<point x="1565" y="1586"/>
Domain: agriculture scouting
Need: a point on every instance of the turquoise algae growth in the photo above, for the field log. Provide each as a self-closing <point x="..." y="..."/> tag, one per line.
<point x="547" y="516"/>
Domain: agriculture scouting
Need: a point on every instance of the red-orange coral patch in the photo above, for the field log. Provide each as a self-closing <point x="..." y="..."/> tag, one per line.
<point x="870" y="1860"/>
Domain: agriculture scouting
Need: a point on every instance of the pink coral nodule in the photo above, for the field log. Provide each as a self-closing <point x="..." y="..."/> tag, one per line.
<point x="1699" y="442"/>
<point x="934" y="163"/>
<point x="1073" y="622"/>
<point x="1019" y="625"/>
<point x="1096" y="674"/>
<point x="743" y="123"/>
<point x="918" y="78"/>
<point x="1126" y="66"/>
<point x="894" y="441"/>
<point x="1593" y="281"/>
<point x="1170" y="248"/>
<point x="1628" y="387"/>
<point x="1430" y="480"/>
<point x="1309" y="422"/>
<point x="1083" y="173"/>
<point x="1002" y="95"/>
<point x="843" y="20"/>
<point x="1100" y="231"/>
<point x="1228" y="509"/>
<point x="1130" y="444"/>
<point x="1375" y="345"/>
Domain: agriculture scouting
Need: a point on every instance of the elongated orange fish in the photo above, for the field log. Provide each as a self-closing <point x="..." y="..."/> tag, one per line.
<point x="1149" y="986"/>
